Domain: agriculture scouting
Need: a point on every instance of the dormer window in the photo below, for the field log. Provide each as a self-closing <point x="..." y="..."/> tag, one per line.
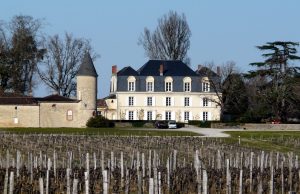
<point x="205" y="87"/>
<point x="168" y="84"/>
<point x="205" y="84"/>
<point x="187" y="84"/>
<point x="150" y="84"/>
<point x="131" y="83"/>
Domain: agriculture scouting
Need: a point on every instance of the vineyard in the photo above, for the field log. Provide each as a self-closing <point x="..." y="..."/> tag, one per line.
<point x="45" y="163"/>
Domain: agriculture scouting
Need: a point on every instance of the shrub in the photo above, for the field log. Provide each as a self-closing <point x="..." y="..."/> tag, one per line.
<point x="180" y="125"/>
<point x="138" y="123"/>
<point x="203" y="124"/>
<point x="99" y="122"/>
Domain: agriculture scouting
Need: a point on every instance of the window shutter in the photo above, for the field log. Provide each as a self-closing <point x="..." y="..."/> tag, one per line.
<point x="182" y="101"/>
<point x="153" y="115"/>
<point x="163" y="115"/>
<point x="182" y="116"/>
<point x="145" y="101"/>
<point x="145" y="115"/>
<point x="191" y="101"/>
<point x="126" y="115"/>
<point x="201" y="116"/>
<point x="209" y="102"/>
<point x="153" y="101"/>
<point x="209" y="116"/>
<point x="173" y="115"/>
<point x="134" y="103"/>
<point x="191" y="116"/>
<point x="172" y="101"/>
<point x="127" y="102"/>
<point x="201" y="102"/>
<point x="164" y="101"/>
<point x="134" y="115"/>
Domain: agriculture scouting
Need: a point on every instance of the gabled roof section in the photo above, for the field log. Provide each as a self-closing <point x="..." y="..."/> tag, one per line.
<point x="87" y="67"/>
<point x="171" y="68"/>
<point x="56" y="98"/>
<point x="205" y="71"/>
<point x="127" y="71"/>
<point x="101" y="103"/>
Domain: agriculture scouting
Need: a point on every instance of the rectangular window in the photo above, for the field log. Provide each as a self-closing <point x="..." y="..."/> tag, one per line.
<point x="149" y="101"/>
<point x="168" y="101"/>
<point x="205" y="102"/>
<point x="187" y="86"/>
<point x="130" y="115"/>
<point x="149" y="87"/>
<point x="130" y="101"/>
<point x="186" y="101"/>
<point x="69" y="115"/>
<point x="205" y="87"/>
<point x="168" y="115"/>
<point x="131" y="86"/>
<point x="149" y="115"/>
<point x="168" y="86"/>
<point x="186" y="116"/>
<point x="205" y="116"/>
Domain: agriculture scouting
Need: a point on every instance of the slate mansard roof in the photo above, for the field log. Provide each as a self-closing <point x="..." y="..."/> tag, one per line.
<point x="151" y="68"/>
<point x="87" y="66"/>
<point x="173" y="68"/>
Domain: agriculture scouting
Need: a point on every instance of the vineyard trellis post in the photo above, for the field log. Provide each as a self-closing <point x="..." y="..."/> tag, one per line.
<point x="11" y="183"/>
<point x="105" y="182"/>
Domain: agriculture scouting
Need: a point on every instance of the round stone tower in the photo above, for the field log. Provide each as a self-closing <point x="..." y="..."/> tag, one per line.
<point x="86" y="90"/>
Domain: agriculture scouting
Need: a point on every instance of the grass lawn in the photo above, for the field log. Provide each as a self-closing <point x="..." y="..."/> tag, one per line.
<point x="282" y="141"/>
<point x="98" y="131"/>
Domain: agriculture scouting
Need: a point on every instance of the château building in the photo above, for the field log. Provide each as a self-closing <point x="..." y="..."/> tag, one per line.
<point x="161" y="90"/>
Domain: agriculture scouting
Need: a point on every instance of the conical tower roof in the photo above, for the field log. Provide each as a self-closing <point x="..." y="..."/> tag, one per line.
<point x="87" y="67"/>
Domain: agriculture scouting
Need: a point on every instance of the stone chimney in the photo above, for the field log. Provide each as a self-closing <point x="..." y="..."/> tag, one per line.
<point x="218" y="70"/>
<point x="161" y="70"/>
<point x="114" y="69"/>
<point x="199" y="67"/>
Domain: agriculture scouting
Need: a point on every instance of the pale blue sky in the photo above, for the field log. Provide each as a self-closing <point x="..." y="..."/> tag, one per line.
<point x="221" y="30"/>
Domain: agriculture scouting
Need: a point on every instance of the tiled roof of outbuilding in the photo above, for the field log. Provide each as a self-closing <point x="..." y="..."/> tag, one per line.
<point x="101" y="103"/>
<point x="56" y="98"/>
<point x="29" y="100"/>
<point x="24" y="100"/>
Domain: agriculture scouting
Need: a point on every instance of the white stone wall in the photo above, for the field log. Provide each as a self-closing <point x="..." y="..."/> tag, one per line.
<point x="23" y="116"/>
<point x="159" y="107"/>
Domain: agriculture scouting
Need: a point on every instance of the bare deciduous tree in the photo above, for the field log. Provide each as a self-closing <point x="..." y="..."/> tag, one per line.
<point x="170" y="40"/>
<point x="216" y="80"/>
<point x="20" y="53"/>
<point x="61" y="63"/>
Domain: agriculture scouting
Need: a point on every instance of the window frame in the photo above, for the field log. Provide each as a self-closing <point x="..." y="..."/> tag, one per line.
<point x="205" y="116"/>
<point x="131" y="86"/>
<point x="186" y="101"/>
<point x="186" y="115"/>
<point x="130" y="115"/>
<point x="149" y="116"/>
<point x="130" y="101"/>
<point x="205" y="86"/>
<point x="168" y="101"/>
<point x="149" y="86"/>
<point x="69" y="116"/>
<point x="205" y="102"/>
<point x="148" y="100"/>
<point x="168" y="115"/>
